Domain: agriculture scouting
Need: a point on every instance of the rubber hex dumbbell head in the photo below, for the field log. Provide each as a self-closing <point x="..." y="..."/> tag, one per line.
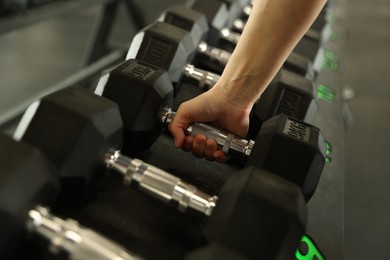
<point x="73" y="128"/>
<point x="26" y="179"/>
<point x="300" y="65"/>
<point x="288" y="94"/>
<point x="291" y="148"/>
<point x="163" y="45"/>
<point x="217" y="15"/>
<point x="187" y="19"/>
<point x="277" y="216"/>
<point x="235" y="8"/>
<point x="141" y="92"/>
<point x="195" y="23"/>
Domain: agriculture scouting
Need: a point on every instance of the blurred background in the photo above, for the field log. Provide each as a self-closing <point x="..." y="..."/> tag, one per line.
<point x="43" y="44"/>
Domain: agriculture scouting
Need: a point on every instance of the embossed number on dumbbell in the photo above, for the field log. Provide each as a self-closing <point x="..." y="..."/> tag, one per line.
<point x="297" y="130"/>
<point x="139" y="71"/>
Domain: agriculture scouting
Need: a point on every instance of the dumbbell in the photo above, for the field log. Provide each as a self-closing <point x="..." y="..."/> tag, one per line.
<point x="28" y="180"/>
<point x="254" y="206"/>
<point x="215" y="59"/>
<point x="244" y="9"/>
<point x="221" y="36"/>
<point x="235" y="8"/>
<point x="320" y="36"/>
<point x="168" y="47"/>
<point x="285" y="146"/>
<point x="288" y="93"/>
<point x="318" y="32"/>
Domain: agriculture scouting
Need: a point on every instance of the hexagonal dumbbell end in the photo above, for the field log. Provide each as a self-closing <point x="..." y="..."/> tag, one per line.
<point x="291" y="149"/>
<point x="141" y="91"/>
<point x="26" y="179"/>
<point x="73" y="128"/>
<point x="217" y="15"/>
<point x="165" y="46"/>
<point x="187" y="19"/>
<point x="287" y="94"/>
<point x="259" y="215"/>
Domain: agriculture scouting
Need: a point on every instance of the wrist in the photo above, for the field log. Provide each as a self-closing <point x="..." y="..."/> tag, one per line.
<point x="240" y="92"/>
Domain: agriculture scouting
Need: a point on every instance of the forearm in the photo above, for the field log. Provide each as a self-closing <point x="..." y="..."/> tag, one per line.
<point x="271" y="33"/>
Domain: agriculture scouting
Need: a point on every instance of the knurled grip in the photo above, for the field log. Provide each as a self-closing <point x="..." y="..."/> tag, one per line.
<point x="70" y="237"/>
<point x="161" y="184"/>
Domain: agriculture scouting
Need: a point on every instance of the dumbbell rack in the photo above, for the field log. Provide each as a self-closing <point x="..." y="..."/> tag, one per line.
<point x="153" y="230"/>
<point x="326" y="208"/>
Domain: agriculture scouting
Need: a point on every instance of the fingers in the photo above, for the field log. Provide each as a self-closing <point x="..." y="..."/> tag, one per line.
<point x="220" y="156"/>
<point x="203" y="108"/>
<point x="203" y="147"/>
<point x="198" y="146"/>
<point x="187" y="145"/>
<point x="210" y="149"/>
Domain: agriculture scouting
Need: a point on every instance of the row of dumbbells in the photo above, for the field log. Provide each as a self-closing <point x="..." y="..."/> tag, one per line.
<point x="257" y="214"/>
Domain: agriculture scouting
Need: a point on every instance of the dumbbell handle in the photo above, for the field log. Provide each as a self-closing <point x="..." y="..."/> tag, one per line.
<point x="161" y="184"/>
<point x="247" y="10"/>
<point x="70" y="237"/>
<point x="202" y="78"/>
<point x="239" y="26"/>
<point x="227" y="142"/>
<point x="216" y="55"/>
<point x="229" y="36"/>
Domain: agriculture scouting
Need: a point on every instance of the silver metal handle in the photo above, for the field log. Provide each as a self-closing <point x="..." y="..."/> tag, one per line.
<point x="161" y="184"/>
<point x="217" y="55"/>
<point x="77" y="241"/>
<point x="227" y="142"/>
<point x="239" y="25"/>
<point x="230" y="36"/>
<point x="247" y="10"/>
<point x="204" y="79"/>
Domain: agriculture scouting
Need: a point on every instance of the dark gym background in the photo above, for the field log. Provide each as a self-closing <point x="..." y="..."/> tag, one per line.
<point x="35" y="57"/>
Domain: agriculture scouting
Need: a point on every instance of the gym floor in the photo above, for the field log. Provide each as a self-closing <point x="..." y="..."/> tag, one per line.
<point x="34" y="58"/>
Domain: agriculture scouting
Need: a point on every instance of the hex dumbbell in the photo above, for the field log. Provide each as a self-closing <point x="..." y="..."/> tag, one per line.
<point x="298" y="145"/>
<point x="318" y="32"/>
<point x="217" y="15"/>
<point x="288" y="93"/>
<point x="215" y="59"/>
<point x="29" y="180"/>
<point x="243" y="211"/>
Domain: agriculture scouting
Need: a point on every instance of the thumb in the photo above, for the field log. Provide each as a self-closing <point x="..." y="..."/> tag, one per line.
<point x="177" y="133"/>
<point x="177" y="127"/>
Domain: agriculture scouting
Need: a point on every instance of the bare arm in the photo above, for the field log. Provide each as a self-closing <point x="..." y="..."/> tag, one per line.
<point x="272" y="31"/>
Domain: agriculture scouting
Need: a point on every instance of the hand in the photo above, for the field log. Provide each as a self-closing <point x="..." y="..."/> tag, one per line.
<point x="214" y="107"/>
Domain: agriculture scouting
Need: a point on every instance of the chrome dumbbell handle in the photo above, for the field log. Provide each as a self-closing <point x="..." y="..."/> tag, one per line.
<point x="216" y="55"/>
<point x="229" y="36"/>
<point x="202" y="78"/>
<point x="70" y="237"/>
<point x="227" y="142"/>
<point x="161" y="184"/>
